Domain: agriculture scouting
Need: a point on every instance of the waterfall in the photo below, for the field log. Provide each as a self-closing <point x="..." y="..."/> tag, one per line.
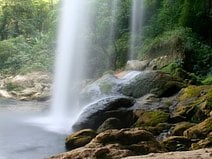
<point x="135" y="27"/>
<point x="73" y="45"/>
<point x="71" y="54"/>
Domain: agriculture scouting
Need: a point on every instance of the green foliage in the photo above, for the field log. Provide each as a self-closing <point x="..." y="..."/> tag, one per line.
<point x="20" y="55"/>
<point x="207" y="80"/>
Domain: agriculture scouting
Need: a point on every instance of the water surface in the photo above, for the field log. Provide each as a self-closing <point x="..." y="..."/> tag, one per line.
<point x="20" y="139"/>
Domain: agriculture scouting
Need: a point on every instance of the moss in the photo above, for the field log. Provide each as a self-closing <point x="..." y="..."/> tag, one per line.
<point x="152" y="118"/>
<point x="207" y="80"/>
<point x="171" y="68"/>
<point x="194" y="92"/>
<point x="105" y="87"/>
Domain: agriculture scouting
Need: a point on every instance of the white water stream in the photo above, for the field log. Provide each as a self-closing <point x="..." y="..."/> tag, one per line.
<point x="137" y="13"/>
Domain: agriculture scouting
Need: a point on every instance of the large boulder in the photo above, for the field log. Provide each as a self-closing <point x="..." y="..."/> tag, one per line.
<point x="93" y="115"/>
<point x="131" y="83"/>
<point x="156" y="82"/>
<point x="116" y="144"/>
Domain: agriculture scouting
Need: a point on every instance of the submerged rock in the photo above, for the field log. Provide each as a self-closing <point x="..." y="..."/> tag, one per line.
<point x="93" y="115"/>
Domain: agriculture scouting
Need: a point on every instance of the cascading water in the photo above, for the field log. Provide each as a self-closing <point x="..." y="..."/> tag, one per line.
<point x="73" y="46"/>
<point x="136" y="27"/>
<point x="71" y="54"/>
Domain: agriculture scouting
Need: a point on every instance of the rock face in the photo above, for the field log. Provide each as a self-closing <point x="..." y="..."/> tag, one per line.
<point x="96" y="113"/>
<point x="116" y="144"/>
<point x="32" y="86"/>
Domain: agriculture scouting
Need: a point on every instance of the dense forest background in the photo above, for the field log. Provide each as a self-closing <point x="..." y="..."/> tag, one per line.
<point x="28" y="34"/>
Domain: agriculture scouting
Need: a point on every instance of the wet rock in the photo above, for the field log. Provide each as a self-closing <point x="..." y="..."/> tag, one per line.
<point x="199" y="131"/>
<point x="176" y="143"/>
<point x="158" y="83"/>
<point x="116" y="144"/>
<point x="110" y="123"/>
<point x="79" y="139"/>
<point x="95" y="114"/>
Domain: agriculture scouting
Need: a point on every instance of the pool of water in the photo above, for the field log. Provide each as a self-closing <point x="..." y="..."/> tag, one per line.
<point x="20" y="139"/>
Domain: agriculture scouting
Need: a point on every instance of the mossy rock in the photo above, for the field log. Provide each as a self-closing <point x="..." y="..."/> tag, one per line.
<point x="180" y="128"/>
<point x="177" y="143"/>
<point x="205" y="143"/>
<point x="195" y="103"/>
<point x="156" y="130"/>
<point x="199" y="131"/>
<point x="110" y="123"/>
<point x="176" y="70"/>
<point x="79" y="138"/>
<point x="152" y="118"/>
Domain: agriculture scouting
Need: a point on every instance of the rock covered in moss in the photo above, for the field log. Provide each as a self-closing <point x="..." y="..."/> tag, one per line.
<point x="115" y="144"/>
<point x="79" y="139"/>
<point x="110" y="123"/>
<point x="199" y="131"/>
<point x="152" y="118"/>
<point x="195" y="104"/>
<point x="176" y="143"/>
<point x="181" y="127"/>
